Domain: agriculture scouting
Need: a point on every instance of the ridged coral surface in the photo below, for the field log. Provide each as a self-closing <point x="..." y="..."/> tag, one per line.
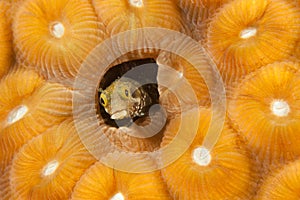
<point x="283" y="183"/>
<point x="247" y="34"/>
<point x="264" y="107"/>
<point x="6" y="46"/>
<point x="55" y="37"/>
<point x="220" y="113"/>
<point x="226" y="172"/>
<point x="40" y="169"/>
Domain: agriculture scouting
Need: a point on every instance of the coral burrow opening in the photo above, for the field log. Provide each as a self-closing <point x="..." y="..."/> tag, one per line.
<point x="280" y="108"/>
<point x="57" y="29"/>
<point x="127" y="91"/>
<point x="16" y="114"/>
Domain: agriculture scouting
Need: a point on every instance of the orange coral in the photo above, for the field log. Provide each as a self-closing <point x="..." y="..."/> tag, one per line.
<point x="282" y="184"/>
<point x="101" y="182"/>
<point x="6" y="56"/>
<point x="245" y="35"/>
<point x="28" y="106"/>
<point x="49" y="165"/>
<point x="5" y="191"/>
<point x="265" y="109"/>
<point x="186" y="71"/>
<point x="55" y="37"/>
<point x="97" y="183"/>
<point x="200" y="10"/>
<point x="225" y="172"/>
<point x="122" y="15"/>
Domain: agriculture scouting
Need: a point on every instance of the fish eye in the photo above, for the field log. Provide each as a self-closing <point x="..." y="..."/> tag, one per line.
<point x="125" y="92"/>
<point x="103" y="100"/>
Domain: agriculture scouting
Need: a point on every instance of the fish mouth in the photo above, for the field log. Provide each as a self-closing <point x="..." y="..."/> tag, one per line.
<point x="120" y="114"/>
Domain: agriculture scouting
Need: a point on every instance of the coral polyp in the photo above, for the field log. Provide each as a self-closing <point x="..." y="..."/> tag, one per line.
<point x="224" y="172"/>
<point x="122" y="15"/>
<point x="184" y="71"/>
<point x="96" y="183"/>
<point x="41" y="167"/>
<point x="29" y="105"/>
<point x="199" y="11"/>
<point x="283" y="183"/>
<point x="101" y="182"/>
<point x="5" y="191"/>
<point x="6" y="46"/>
<point x="241" y="42"/>
<point x="51" y="37"/>
<point x="264" y="107"/>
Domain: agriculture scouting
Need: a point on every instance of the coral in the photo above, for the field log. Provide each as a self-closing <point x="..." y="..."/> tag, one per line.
<point x="101" y="182"/>
<point x="48" y="166"/>
<point x="283" y="183"/>
<point x="98" y="182"/>
<point x="227" y="171"/>
<point x="244" y="35"/>
<point x="184" y="70"/>
<point x="198" y="11"/>
<point x="122" y="15"/>
<point x="55" y="37"/>
<point x="60" y="64"/>
<point x="28" y="106"/>
<point x="265" y="109"/>
<point x="6" y="56"/>
<point x="5" y="191"/>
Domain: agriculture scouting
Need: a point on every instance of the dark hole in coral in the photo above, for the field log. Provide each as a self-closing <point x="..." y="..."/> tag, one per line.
<point x="144" y="71"/>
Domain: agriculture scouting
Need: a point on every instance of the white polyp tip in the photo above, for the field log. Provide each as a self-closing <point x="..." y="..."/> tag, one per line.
<point x="180" y="74"/>
<point x="201" y="156"/>
<point x="50" y="168"/>
<point x="16" y="114"/>
<point x="118" y="196"/>
<point x="57" y="29"/>
<point x="248" y="32"/>
<point x="136" y="3"/>
<point x="280" y="108"/>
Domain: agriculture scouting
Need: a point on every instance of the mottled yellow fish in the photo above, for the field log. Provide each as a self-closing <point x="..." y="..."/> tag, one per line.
<point x="124" y="98"/>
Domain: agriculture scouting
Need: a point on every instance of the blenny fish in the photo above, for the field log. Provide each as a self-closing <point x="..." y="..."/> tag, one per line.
<point x="125" y="98"/>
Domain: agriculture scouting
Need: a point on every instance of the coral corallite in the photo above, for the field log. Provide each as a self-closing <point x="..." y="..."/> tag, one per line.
<point x="55" y="36"/>
<point x="282" y="184"/>
<point x="225" y="172"/>
<point x="264" y="107"/>
<point x="49" y="165"/>
<point x="122" y="15"/>
<point x="6" y="46"/>
<point x="101" y="182"/>
<point x="28" y="106"/>
<point x="184" y="72"/>
<point x="248" y="34"/>
<point x="5" y="192"/>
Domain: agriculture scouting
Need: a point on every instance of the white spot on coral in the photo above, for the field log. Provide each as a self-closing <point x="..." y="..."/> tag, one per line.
<point x="16" y="114"/>
<point x="280" y="108"/>
<point x="118" y="196"/>
<point x="50" y="168"/>
<point x="57" y="29"/>
<point x="180" y="75"/>
<point x="201" y="156"/>
<point x="248" y="32"/>
<point x="136" y="3"/>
